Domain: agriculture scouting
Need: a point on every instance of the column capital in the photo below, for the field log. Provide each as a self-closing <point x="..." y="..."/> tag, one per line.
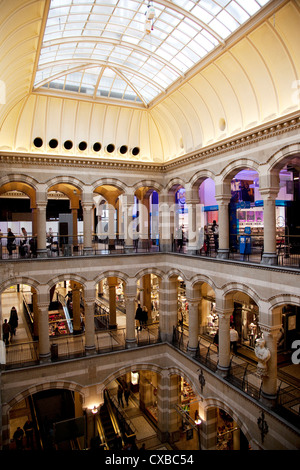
<point x="223" y="198"/>
<point x="224" y="313"/>
<point x="271" y="330"/>
<point x="269" y="193"/>
<point x="41" y="205"/>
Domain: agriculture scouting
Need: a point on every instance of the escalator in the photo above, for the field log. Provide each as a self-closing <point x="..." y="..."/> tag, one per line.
<point x="50" y="408"/>
<point x="108" y="424"/>
<point x="117" y="431"/>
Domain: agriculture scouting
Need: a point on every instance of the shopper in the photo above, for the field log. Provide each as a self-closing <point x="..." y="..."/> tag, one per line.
<point x="6" y="332"/>
<point x="234" y="337"/>
<point x="216" y="339"/>
<point x="215" y="230"/>
<point x="28" y="428"/>
<point x="144" y="317"/>
<point x="10" y="241"/>
<point x="139" y="316"/>
<point x="126" y="394"/>
<point x="23" y="249"/>
<point x="120" y="395"/>
<point x="18" y="438"/>
<point x="13" y="321"/>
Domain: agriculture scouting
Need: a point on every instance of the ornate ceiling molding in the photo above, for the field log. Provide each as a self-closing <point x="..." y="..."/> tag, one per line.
<point x="254" y="136"/>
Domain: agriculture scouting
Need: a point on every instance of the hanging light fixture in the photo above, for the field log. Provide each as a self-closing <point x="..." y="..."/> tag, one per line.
<point x="150" y="15"/>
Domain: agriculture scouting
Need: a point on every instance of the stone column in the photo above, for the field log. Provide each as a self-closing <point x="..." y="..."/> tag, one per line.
<point x="112" y="283"/>
<point x="89" y="311"/>
<point x="41" y="229"/>
<point x="35" y="311"/>
<point x="144" y="219"/>
<point x="34" y="221"/>
<point x="44" y="340"/>
<point x="269" y="255"/>
<point x="111" y="226"/>
<point x="193" y="326"/>
<point x="193" y="204"/>
<point x="168" y="307"/>
<point x="173" y="418"/>
<point x="146" y="283"/>
<point x="129" y="232"/>
<point x="75" y="231"/>
<point x="130" y="303"/>
<point x="224" y="340"/>
<point x="87" y="228"/>
<point x="166" y="221"/>
<point x="269" y="382"/>
<point x="223" y="222"/>
<point x="76" y="308"/>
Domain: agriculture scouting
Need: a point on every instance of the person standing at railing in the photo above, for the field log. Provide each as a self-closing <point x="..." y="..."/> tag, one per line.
<point x="6" y="332"/>
<point x="234" y="336"/>
<point x="10" y="241"/>
<point x="23" y="242"/>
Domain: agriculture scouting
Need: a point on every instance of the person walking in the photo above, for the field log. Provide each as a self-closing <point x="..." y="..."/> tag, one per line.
<point x="216" y="339"/>
<point x="139" y="316"/>
<point x="234" y="336"/>
<point x="144" y="317"/>
<point x="13" y="321"/>
<point x="126" y="394"/>
<point x="120" y="395"/>
<point x="28" y="428"/>
<point x="6" y="331"/>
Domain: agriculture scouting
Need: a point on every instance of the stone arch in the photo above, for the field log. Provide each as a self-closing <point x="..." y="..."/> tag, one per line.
<point x="72" y="386"/>
<point x="157" y="272"/>
<point x="200" y="176"/>
<point x="202" y="278"/>
<point x="175" y="182"/>
<point x="22" y="186"/>
<point x="217" y="403"/>
<point x="236" y="286"/>
<point x="151" y="184"/>
<point x="283" y="299"/>
<point x="70" y="180"/>
<point x="234" y="167"/>
<point x="282" y="156"/>
<point x="19" y="280"/>
<point x="116" y="183"/>
<point x="19" y="177"/>
<point x="111" y="273"/>
<point x="130" y="368"/>
<point x="66" y="277"/>
<point x="176" y="272"/>
<point x="195" y="384"/>
<point x="7" y="407"/>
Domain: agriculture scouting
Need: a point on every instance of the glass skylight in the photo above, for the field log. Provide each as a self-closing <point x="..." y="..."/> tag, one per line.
<point x="101" y="48"/>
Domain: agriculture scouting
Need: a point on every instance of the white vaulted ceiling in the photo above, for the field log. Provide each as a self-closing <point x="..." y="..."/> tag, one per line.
<point x="71" y="85"/>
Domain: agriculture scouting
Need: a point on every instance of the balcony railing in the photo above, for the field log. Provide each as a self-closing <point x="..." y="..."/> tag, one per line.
<point x="287" y="249"/>
<point x="243" y="375"/>
<point x="66" y="346"/>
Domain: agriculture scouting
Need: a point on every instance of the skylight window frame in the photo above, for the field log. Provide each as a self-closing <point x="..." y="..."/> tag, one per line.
<point x="124" y="20"/>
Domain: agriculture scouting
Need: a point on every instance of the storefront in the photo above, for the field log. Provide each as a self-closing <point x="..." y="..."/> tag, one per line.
<point x="182" y="304"/>
<point x="245" y="318"/>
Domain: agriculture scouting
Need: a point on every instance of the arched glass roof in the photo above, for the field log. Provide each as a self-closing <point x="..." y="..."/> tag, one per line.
<point x="115" y="49"/>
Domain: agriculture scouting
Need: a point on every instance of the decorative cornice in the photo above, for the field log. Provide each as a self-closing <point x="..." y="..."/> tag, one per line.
<point x="256" y="135"/>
